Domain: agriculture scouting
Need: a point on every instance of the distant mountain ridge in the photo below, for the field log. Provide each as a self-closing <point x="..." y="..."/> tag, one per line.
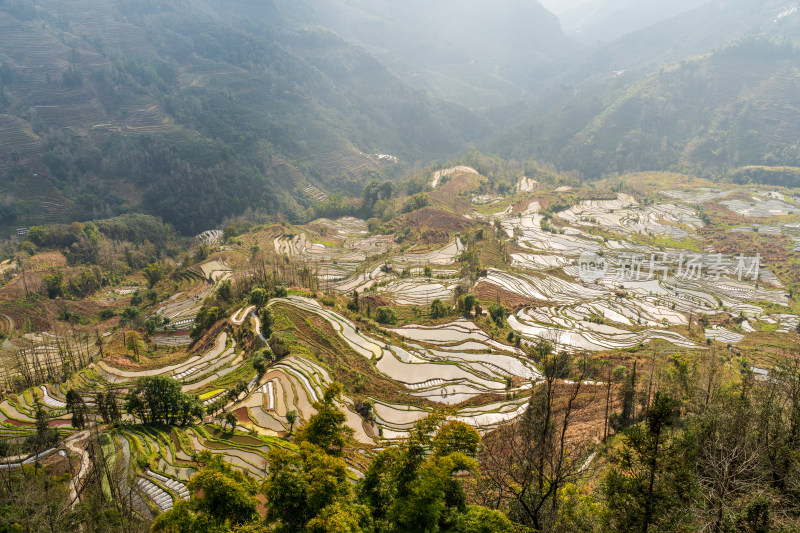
<point x="709" y="115"/>
<point x="478" y="53"/>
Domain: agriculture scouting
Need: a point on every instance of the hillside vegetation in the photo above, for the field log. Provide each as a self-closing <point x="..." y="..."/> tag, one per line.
<point x="196" y="112"/>
<point x="706" y="115"/>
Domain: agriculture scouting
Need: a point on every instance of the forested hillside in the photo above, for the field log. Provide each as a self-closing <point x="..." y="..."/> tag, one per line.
<point x="196" y="111"/>
<point x="708" y="115"/>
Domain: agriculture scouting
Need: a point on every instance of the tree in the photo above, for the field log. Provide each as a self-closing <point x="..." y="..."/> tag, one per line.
<point x="498" y="314"/>
<point x="258" y="297"/>
<point x="154" y="272"/>
<point x="77" y="407"/>
<point x="310" y="491"/>
<point x="267" y="321"/>
<point x="45" y="436"/>
<point x="438" y="309"/>
<point x="326" y="429"/>
<point x="627" y="398"/>
<point x="190" y="408"/>
<point x="278" y="346"/>
<point x="408" y="490"/>
<point x="455" y="437"/>
<point x="353" y="305"/>
<point x="725" y="442"/>
<point x="130" y="313"/>
<point x="235" y="391"/>
<point x="385" y="315"/>
<point x="205" y="318"/>
<point x="530" y="460"/>
<point x="107" y="406"/>
<point x="470" y="300"/>
<point x="231" y="420"/>
<point x="225" y="291"/>
<point x="159" y="400"/>
<point x="54" y="284"/>
<point x="222" y="498"/>
<point x="134" y="343"/>
<point x="649" y="483"/>
<point x="291" y="418"/>
<point x="261" y="361"/>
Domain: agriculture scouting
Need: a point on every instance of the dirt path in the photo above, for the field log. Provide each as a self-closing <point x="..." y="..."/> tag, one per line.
<point x="76" y="444"/>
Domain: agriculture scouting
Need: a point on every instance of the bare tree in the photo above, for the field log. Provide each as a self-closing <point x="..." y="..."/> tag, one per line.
<point x="527" y="462"/>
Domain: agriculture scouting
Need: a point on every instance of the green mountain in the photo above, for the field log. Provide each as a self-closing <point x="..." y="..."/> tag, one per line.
<point x="709" y="115"/>
<point x="195" y="111"/>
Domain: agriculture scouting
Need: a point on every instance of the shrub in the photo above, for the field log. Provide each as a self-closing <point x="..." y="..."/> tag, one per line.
<point x="385" y="315"/>
<point x="498" y="314"/>
<point x="439" y="309"/>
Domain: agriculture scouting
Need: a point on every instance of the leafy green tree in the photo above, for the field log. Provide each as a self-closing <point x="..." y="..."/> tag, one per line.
<point x="278" y="346"/>
<point x="477" y="519"/>
<point x="353" y="305"/>
<point x="310" y="491"/>
<point x="154" y="272"/>
<point x="190" y="408"/>
<point x="291" y="418"/>
<point x="45" y="436"/>
<point x="385" y="315"/>
<point x="225" y="291"/>
<point x="136" y="298"/>
<point x="107" y="406"/>
<point x="455" y="436"/>
<point x="326" y="429"/>
<point x="231" y="420"/>
<point x="498" y="314"/>
<point x="54" y="284"/>
<point x="406" y="489"/>
<point x="238" y="388"/>
<point x="438" y="309"/>
<point x="261" y="361"/>
<point x="77" y="407"/>
<point x="280" y="291"/>
<point x="620" y="421"/>
<point x="258" y="297"/>
<point x="470" y="300"/>
<point x="267" y="321"/>
<point x="649" y="484"/>
<point x="223" y="499"/>
<point x="130" y="313"/>
<point x="205" y="318"/>
<point x="159" y="400"/>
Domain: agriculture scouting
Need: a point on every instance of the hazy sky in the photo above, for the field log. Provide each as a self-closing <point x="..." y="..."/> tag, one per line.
<point x="559" y="6"/>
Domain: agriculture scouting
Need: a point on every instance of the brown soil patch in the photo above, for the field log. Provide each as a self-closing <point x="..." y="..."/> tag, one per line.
<point x="17" y="422"/>
<point x="56" y="464"/>
<point x="374" y="301"/>
<point x="47" y="260"/>
<point x="241" y="415"/>
<point x="480" y="400"/>
<point x="59" y="423"/>
<point x="489" y="292"/>
<point x="433" y="226"/>
<point x="15" y="289"/>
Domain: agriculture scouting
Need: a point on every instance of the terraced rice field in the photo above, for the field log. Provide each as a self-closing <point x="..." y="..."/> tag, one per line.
<point x="419" y="291"/>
